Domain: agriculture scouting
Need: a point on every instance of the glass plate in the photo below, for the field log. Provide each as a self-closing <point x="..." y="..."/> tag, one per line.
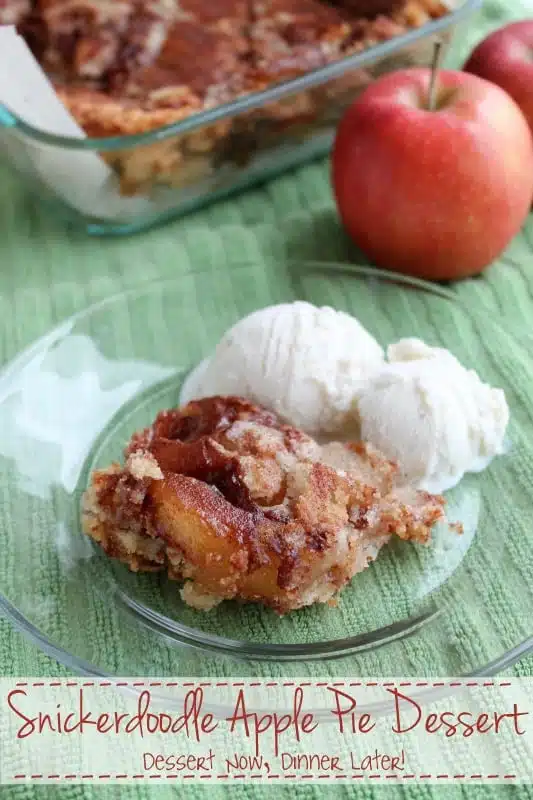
<point x="71" y="401"/>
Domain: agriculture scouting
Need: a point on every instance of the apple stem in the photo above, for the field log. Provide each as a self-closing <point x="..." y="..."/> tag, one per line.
<point x="437" y="53"/>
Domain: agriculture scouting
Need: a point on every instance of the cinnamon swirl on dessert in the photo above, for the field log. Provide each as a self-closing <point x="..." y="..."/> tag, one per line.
<point x="222" y="495"/>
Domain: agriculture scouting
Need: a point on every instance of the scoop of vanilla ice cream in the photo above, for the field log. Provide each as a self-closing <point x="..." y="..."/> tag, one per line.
<point x="437" y="419"/>
<point x="303" y="362"/>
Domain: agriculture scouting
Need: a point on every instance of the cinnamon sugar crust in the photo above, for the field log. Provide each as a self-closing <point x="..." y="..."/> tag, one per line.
<point x="222" y="495"/>
<point x="13" y="12"/>
<point x="129" y="66"/>
<point x="290" y="37"/>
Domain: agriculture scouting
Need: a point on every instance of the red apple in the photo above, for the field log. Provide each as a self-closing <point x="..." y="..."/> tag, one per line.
<point x="433" y="193"/>
<point x="506" y="58"/>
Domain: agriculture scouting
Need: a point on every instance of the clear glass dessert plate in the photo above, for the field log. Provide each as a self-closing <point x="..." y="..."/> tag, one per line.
<point x="70" y="402"/>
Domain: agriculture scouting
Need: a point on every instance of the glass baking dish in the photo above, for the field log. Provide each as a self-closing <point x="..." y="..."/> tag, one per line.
<point x="123" y="184"/>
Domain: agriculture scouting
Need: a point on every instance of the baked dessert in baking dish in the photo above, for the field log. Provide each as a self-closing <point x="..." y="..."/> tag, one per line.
<point x="126" y="67"/>
<point x="222" y="495"/>
<point x="144" y="57"/>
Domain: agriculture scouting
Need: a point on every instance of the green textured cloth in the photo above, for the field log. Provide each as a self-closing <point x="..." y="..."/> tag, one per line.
<point x="47" y="273"/>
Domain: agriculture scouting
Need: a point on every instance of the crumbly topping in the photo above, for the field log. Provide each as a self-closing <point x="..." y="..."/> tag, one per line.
<point x="142" y="464"/>
<point x="128" y="66"/>
<point x="191" y="594"/>
<point x="223" y="494"/>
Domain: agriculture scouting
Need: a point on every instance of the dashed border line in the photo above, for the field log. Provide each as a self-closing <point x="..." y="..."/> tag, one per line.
<point x="210" y="776"/>
<point x="265" y="684"/>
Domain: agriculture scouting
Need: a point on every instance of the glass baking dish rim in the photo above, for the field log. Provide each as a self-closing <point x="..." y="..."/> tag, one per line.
<point x="309" y="80"/>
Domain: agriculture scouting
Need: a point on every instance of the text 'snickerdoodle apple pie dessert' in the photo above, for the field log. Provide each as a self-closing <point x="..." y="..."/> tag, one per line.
<point x="222" y="495"/>
<point x="268" y="485"/>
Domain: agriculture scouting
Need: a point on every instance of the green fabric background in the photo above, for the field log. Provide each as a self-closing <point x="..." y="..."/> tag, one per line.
<point x="47" y="273"/>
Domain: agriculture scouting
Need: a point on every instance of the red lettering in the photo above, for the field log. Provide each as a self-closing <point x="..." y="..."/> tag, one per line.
<point x="256" y="726"/>
<point x="261" y="725"/>
<point x="463" y="718"/>
<point x="308" y="724"/>
<point x="118" y="720"/>
<point x="365" y="723"/>
<point x="353" y="722"/>
<point x="165" y="723"/>
<point x="29" y="723"/>
<point x="395" y="763"/>
<point x="103" y="723"/>
<point x="397" y="726"/>
<point x="45" y="722"/>
<point x="339" y="711"/>
<point x="514" y="714"/>
<point x="136" y="722"/>
<point x="239" y="715"/>
<point x="482" y="722"/>
<point x="208" y="724"/>
<point x="432" y="723"/>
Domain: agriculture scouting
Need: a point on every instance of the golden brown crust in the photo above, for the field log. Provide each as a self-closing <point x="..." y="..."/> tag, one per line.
<point x="369" y="8"/>
<point x="222" y="494"/>
<point x="80" y="39"/>
<point x="205" y="61"/>
<point x="101" y="115"/>
<point x="13" y="12"/>
<point x="130" y="66"/>
<point x="290" y="37"/>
